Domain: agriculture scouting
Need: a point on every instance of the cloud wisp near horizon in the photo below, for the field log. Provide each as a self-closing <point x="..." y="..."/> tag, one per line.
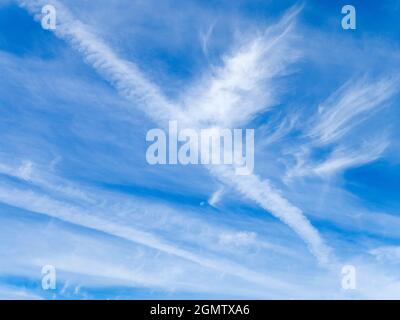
<point x="73" y="163"/>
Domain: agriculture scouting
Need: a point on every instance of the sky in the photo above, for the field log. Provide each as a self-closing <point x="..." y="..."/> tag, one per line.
<point x="77" y="193"/>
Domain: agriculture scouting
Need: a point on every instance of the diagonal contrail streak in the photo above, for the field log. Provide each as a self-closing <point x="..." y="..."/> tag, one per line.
<point x="132" y="84"/>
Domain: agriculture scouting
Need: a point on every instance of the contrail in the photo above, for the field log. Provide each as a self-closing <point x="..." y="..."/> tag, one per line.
<point x="132" y="84"/>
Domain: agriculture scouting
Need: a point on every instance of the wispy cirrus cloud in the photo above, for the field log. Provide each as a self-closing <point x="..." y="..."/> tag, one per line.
<point x="231" y="84"/>
<point x="349" y="106"/>
<point x="387" y="253"/>
<point x="101" y="218"/>
<point x="75" y="187"/>
<point x="335" y="127"/>
<point x="343" y="158"/>
<point x="245" y="84"/>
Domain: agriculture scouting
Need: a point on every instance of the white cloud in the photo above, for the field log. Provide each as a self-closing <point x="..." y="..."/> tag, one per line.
<point x="237" y="239"/>
<point x="96" y="219"/>
<point x="271" y="200"/>
<point x="25" y="170"/>
<point x="123" y="75"/>
<point x="15" y="293"/>
<point x="240" y="80"/>
<point x="346" y="108"/>
<point x="245" y="84"/>
<point x="216" y="197"/>
<point x="335" y="127"/>
<point x="388" y="253"/>
<point x="343" y="158"/>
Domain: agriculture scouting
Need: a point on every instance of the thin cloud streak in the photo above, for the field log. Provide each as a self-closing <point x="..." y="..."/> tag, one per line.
<point x="338" y="117"/>
<point x="123" y="75"/>
<point x="31" y="201"/>
<point x="271" y="200"/>
<point x="349" y="106"/>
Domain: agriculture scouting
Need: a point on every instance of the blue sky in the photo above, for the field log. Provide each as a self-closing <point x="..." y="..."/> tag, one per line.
<point x="77" y="193"/>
